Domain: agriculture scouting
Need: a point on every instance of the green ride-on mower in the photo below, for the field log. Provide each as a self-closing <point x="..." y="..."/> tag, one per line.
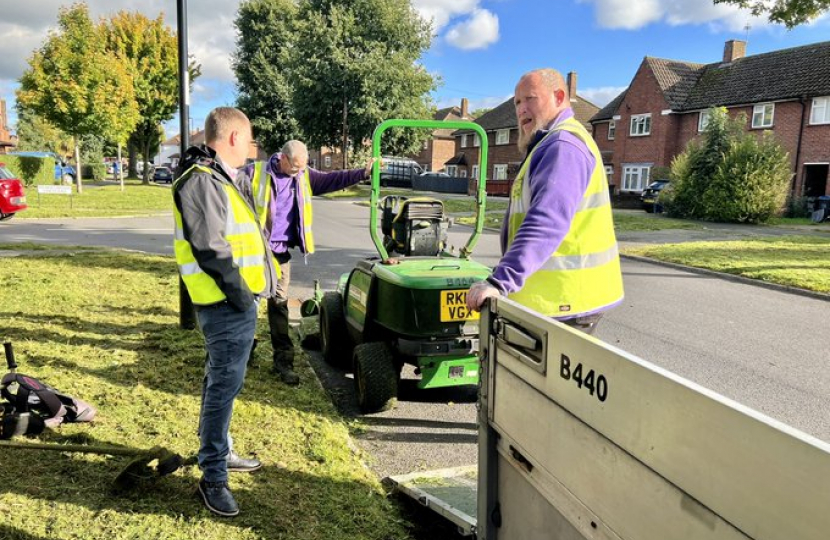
<point x="410" y="308"/>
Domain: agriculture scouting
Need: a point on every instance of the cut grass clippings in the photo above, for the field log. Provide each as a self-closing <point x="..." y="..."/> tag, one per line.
<point x="795" y="261"/>
<point x="100" y="201"/>
<point x="103" y="326"/>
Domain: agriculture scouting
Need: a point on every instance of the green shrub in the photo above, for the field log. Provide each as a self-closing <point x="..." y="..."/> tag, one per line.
<point x="95" y="171"/>
<point x="797" y="207"/>
<point x="729" y="175"/>
<point x="34" y="171"/>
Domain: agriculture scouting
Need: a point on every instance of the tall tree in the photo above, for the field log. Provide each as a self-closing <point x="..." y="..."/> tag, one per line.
<point x="149" y="48"/>
<point x="73" y="82"/>
<point x="261" y="62"/>
<point x="790" y="13"/>
<point x="354" y="64"/>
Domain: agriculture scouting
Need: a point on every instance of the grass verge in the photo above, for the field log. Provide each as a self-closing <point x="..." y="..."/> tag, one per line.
<point x="796" y="261"/>
<point x="101" y="201"/>
<point x="102" y="326"/>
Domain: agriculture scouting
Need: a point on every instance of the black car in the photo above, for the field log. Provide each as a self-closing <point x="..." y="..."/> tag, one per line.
<point x="163" y="174"/>
<point x="650" y="194"/>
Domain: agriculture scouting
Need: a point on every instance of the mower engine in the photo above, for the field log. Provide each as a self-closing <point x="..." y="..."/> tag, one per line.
<point x="413" y="226"/>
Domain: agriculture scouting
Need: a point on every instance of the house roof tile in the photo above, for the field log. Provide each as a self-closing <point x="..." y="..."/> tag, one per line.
<point x="504" y="116"/>
<point x="607" y="112"/>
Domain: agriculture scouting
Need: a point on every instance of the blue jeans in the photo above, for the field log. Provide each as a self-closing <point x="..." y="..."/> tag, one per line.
<point x="229" y="336"/>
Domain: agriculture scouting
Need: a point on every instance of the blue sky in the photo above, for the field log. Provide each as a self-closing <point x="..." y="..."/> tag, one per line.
<point x="480" y="47"/>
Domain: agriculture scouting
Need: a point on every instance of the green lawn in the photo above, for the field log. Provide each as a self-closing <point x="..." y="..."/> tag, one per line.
<point x="797" y="261"/>
<point x="104" y="201"/>
<point x="103" y="326"/>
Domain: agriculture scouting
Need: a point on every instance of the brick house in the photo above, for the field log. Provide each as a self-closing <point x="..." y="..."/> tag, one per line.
<point x="5" y="136"/>
<point x="667" y="105"/>
<point x="502" y="128"/>
<point x="441" y="147"/>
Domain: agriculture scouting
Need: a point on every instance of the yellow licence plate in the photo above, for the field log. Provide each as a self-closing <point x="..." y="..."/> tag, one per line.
<point x="454" y="307"/>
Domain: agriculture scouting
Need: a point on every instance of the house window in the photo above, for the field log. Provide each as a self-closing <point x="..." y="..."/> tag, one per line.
<point x="612" y="129"/>
<point x="463" y="173"/>
<point x="464" y="141"/>
<point x="426" y="145"/>
<point x="327" y="162"/>
<point x="762" y="115"/>
<point x="475" y="171"/>
<point x="452" y="170"/>
<point x="476" y="140"/>
<point x="609" y="172"/>
<point x="703" y="120"/>
<point x="640" y="125"/>
<point x="820" y="114"/>
<point x="502" y="136"/>
<point x="499" y="172"/>
<point x="635" y="177"/>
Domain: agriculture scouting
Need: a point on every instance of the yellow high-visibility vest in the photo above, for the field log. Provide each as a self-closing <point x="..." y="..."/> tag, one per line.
<point x="583" y="274"/>
<point x="261" y="185"/>
<point x="242" y="232"/>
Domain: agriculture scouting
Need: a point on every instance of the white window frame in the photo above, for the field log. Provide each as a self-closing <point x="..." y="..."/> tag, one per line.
<point x="327" y="161"/>
<point x="635" y="177"/>
<point x="452" y="170"/>
<point x="759" y="112"/>
<point x="612" y="130"/>
<point x="476" y="140"/>
<point x="463" y="172"/>
<point x="502" y="136"/>
<point x="703" y="120"/>
<point x="820" y="111"/>
<point x="475" y="172"/>
<point x="464" y="140"/>
<point x="640" y="125"/>
<point x="500" y="171"/>
<point x="609" y="171"/>
<point x="426" y="145"/>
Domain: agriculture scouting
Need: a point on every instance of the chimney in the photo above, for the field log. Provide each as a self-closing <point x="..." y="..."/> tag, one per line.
<point x="464" y="106"/>
<point x="572" y="85"/>
<point x="733" y="50"/>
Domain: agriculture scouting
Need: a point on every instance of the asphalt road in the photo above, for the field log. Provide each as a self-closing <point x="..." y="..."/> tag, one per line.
<point x="764" y="348"/>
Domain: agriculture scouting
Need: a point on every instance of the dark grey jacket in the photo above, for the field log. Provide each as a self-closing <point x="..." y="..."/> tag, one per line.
<point x="201" y="201"/>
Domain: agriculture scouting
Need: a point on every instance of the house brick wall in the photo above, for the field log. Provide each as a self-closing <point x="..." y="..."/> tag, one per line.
<point x="318" y="158"/>
<point x="439" y="150"/>
<point x="5" y="135"/>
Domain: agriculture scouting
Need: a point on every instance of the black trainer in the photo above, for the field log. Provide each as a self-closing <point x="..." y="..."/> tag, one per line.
<point x="240" y="464"/>
<point x="284" y="367"/>
<point x="218" y="498"/>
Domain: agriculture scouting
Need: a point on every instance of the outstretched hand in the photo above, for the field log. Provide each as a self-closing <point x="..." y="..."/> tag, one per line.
<point x="369" y="164"/>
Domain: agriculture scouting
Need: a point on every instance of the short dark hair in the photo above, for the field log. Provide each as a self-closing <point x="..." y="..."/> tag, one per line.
<point x="220" y="121"/>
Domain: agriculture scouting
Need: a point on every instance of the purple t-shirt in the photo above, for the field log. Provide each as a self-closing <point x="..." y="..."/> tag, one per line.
<point x="559" y="173"/>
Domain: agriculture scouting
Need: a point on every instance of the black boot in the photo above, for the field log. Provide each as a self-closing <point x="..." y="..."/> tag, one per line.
<point x="284" y="367"/>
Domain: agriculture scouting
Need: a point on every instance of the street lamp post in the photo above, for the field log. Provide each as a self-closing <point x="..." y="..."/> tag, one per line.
<point x="187" y="319"/>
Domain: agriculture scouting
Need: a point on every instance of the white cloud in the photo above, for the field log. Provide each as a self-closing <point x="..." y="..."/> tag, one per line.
<point x="442" y="11"/>
<point x="601" y="96"/>
<point x="634" y="14"/>
<point x="479" y="31"/>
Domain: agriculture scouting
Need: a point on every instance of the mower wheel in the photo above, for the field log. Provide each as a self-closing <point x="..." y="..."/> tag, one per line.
<point x="375" y="377"/>
<point x="334" y="340"/>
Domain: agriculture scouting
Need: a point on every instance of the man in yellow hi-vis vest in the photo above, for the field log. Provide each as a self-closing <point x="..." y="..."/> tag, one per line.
<point x="559" y="250"/>
<point x="227" y="269"/>
<point x="283" y="186"/>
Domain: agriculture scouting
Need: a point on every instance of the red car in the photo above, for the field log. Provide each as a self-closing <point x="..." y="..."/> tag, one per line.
<point x="12" y="198"/>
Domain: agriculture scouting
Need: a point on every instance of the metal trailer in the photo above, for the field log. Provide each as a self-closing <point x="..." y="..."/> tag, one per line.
<point x="580" y="440"/>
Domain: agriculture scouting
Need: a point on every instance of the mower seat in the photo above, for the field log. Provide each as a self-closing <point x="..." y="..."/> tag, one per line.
<point x="413" y="226"/>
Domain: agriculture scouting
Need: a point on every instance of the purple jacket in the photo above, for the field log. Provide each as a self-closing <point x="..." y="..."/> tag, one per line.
<point x="282" y="229"/>
<point x="559" y="173"/>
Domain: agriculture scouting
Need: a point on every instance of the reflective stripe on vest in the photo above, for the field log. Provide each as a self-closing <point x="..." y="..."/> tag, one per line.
<point x="261" y="186"/>
<point x="583" y="274"/>
<point x="241" y="231"/>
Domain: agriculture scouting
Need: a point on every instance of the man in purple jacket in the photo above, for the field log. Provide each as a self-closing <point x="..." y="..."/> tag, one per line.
<point x="283" y="187"/>
<point x="559" y="250"/>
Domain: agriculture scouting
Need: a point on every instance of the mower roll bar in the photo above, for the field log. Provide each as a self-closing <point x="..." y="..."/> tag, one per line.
<point x="481" y="192"/>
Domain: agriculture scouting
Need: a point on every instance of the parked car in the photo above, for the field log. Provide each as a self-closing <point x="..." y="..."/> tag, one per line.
<point x="398" y="172"/>
<point x="12" y="197"/>
<point x="64" y="173"/>
<point x="650" y="194"/>
<point x="163" y="174"/>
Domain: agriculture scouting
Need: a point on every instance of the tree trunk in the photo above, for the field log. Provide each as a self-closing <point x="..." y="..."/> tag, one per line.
<point x="345" y="141"/>
<point x="78" y="174"/>
<point x="120" y="168"/>
<point x="132" y="171"/>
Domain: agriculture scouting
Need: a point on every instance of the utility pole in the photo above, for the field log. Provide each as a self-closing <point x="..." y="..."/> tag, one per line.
<point x="187" y="317"/>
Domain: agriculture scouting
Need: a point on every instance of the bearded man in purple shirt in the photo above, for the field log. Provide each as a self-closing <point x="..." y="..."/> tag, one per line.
<point x="560" y="254"/>
<point x="283" y="187"/>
